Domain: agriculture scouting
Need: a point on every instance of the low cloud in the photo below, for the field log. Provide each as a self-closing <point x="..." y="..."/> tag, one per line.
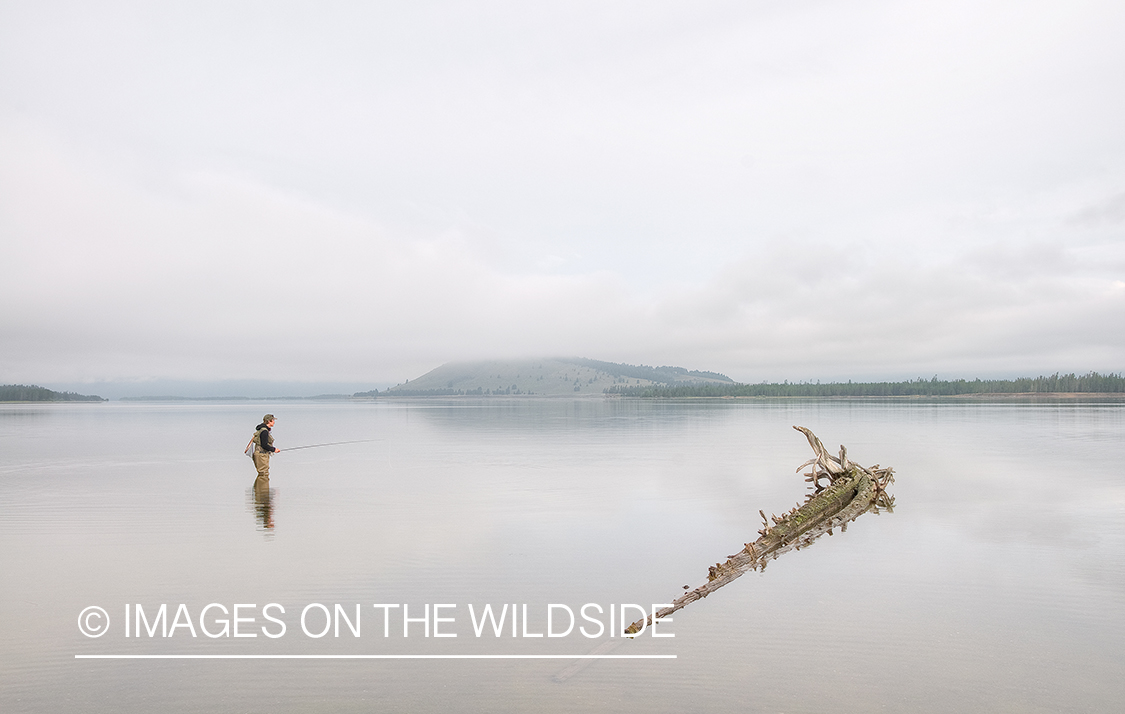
<point x="804" y="192"/>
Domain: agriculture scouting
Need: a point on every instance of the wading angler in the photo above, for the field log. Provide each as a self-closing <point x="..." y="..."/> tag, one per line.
<point x="261" y="446"/>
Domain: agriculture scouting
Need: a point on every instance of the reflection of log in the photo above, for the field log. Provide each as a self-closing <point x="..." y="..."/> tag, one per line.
<point x="852" y="490"/>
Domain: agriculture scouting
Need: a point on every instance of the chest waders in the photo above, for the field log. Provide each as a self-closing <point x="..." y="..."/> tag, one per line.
<point x="261" y="456"/>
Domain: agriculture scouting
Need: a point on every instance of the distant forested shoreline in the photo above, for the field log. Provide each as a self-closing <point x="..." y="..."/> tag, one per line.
<point x="1091" y="382"/>
<point x="33" y="393"/>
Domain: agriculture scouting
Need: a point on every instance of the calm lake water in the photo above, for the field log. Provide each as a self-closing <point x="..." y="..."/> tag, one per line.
<point x="997" y="584"/>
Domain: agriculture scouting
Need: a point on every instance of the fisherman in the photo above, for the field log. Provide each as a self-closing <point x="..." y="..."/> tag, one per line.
<point x="265" y="447"/>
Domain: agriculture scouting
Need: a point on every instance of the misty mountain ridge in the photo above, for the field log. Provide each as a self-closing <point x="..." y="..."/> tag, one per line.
<point x="545" y="377"/>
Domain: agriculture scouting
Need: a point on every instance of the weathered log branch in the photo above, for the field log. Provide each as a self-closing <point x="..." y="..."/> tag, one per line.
<point x="851" y="491"/>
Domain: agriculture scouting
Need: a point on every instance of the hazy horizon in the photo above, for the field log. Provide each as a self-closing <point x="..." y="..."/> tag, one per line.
<point x="223" y="194"/>
<point x="263" y="389"/>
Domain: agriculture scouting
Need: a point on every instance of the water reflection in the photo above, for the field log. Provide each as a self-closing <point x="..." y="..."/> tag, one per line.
<point x="261" y="497"/>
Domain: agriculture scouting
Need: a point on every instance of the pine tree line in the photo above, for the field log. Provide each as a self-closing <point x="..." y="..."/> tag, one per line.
<point x="1090" y="382"/>
<point x="33" y="393"/>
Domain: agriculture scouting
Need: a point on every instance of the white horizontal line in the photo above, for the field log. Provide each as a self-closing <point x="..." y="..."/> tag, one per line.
<point x="388" y="656"/>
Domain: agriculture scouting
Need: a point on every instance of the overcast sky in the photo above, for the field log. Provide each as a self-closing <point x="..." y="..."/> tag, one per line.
<point x="359" y="192"/>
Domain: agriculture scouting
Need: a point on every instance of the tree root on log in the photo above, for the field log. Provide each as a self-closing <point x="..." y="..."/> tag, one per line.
<point x="851" y="490"/>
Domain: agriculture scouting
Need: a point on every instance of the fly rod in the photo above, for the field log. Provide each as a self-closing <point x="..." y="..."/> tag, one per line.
<point x="334" y="443"/>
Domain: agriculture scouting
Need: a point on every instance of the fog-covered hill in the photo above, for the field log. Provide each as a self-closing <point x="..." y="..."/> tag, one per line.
<point x="544" y="377"/>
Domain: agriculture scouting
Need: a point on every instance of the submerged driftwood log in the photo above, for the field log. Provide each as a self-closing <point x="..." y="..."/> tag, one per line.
<point x="847" y="492"/>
